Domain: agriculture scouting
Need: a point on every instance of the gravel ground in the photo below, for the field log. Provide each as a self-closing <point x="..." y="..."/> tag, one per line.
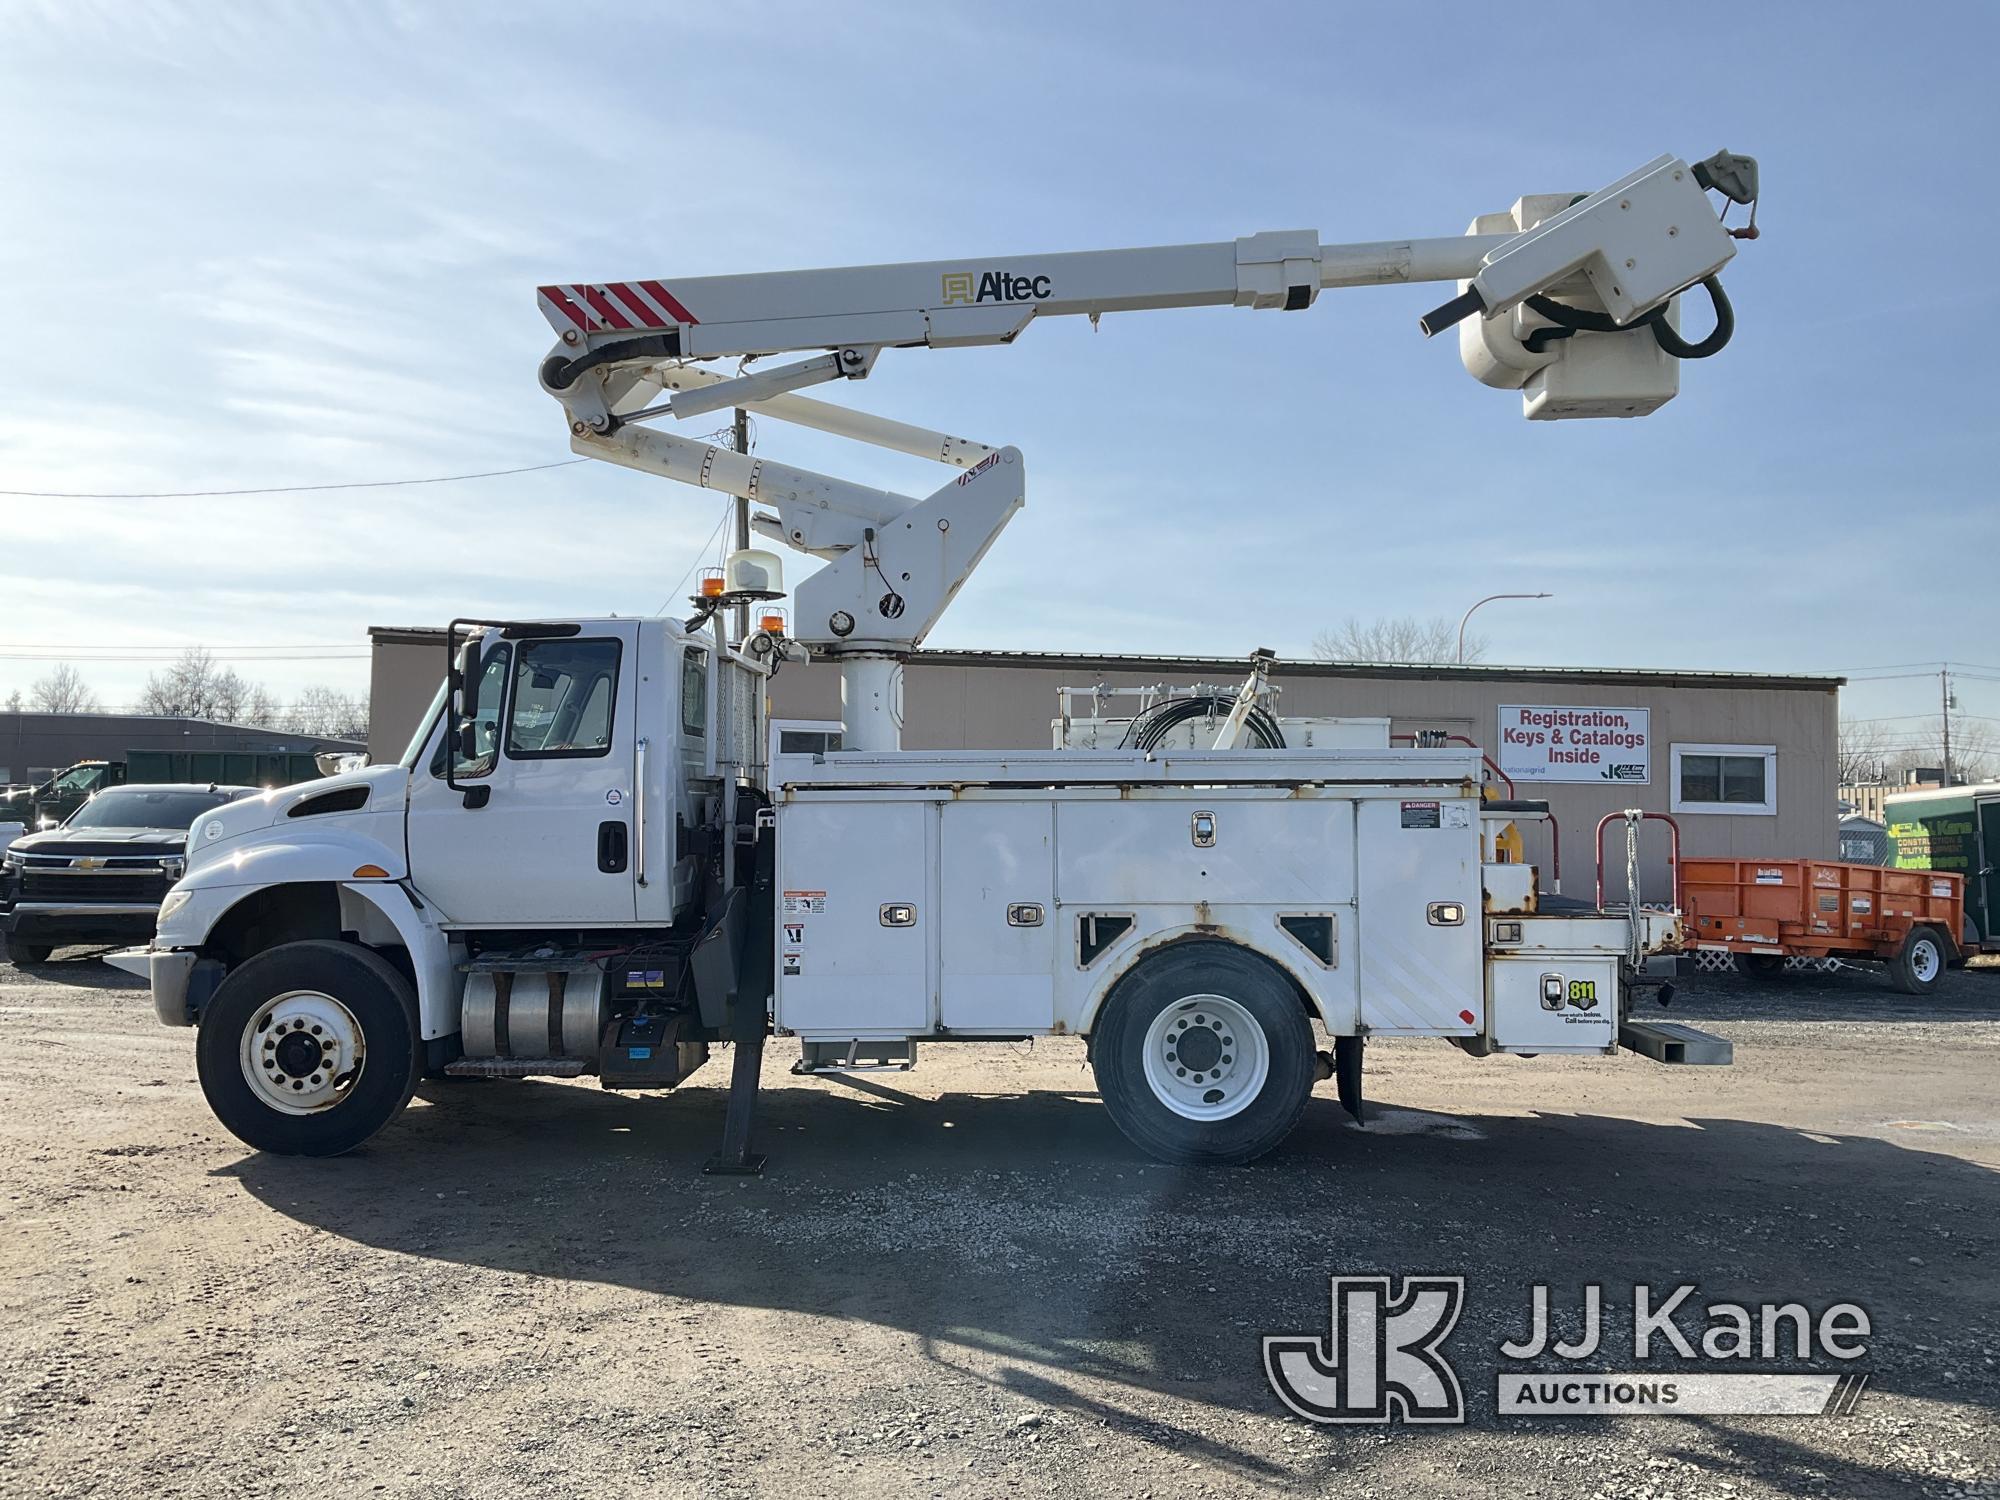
<point x="962" y="1280"/>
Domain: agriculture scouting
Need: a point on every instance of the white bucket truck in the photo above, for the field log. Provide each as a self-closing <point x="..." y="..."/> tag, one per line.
<point x="584" y="865"/>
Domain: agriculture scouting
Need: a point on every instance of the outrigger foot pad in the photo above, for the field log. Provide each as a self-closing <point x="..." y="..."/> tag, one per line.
<point x="736" y="1159"/>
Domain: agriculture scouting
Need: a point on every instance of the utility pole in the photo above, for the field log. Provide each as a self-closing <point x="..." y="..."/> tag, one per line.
<point x="1944" y="686"/>
<point x="740" y="440"/>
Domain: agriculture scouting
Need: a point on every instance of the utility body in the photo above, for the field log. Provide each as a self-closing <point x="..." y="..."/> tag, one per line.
<point x="589" y="863"/>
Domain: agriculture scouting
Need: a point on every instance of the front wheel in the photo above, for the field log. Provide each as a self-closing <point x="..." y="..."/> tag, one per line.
<point x="29" y="953"/>
<point x="1917" y="969"/>
<point x="309" y="1048"/>
<point x="1203" y="1054"/>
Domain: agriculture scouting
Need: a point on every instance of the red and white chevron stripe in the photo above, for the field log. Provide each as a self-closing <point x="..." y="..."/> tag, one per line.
<point x="611" y="306"/>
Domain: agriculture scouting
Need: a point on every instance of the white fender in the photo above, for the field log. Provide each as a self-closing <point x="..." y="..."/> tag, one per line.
<point x="1154" y="942"/>
<point x="365" y="904"/>
<point x="379" y="909"/>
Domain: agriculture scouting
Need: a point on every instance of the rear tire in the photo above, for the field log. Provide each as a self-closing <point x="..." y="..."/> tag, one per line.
<point x="309" y="1048"/>
<point x="23" y="954"/>
<point x="1765" y="966"/>
<point x="1919" y="967"/>
<point x="1204" y="1055"/>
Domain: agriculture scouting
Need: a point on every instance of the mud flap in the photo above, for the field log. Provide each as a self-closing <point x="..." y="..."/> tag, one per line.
<point x="1347" y="1075"/>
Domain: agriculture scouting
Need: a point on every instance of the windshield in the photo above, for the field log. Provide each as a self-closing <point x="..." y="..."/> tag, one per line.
<point x="414" y="751"/>
<point x="145" y="807"/>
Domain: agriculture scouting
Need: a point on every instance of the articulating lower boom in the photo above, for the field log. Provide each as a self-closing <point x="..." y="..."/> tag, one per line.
<point x="1570" y="299"/>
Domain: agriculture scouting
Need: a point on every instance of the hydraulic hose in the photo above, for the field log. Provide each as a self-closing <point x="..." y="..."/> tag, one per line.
<point x="1147" y="730"/>
<point x="1579" y="320"/>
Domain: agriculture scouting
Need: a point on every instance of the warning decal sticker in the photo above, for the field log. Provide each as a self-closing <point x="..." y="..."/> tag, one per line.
<point x="1421" y="815"/>
<point x="799" y="903"/>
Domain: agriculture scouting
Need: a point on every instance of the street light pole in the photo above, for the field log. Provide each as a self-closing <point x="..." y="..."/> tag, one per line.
<point x="1488" y="600"/>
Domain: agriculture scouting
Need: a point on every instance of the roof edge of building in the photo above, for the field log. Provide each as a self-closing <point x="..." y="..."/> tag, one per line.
<point x="1117" y="661"/>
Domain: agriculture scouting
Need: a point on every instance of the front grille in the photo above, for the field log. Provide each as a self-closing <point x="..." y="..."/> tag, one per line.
<point x="62" y="885"/>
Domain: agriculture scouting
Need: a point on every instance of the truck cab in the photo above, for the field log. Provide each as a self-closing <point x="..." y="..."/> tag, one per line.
<point x="564" y="798"/>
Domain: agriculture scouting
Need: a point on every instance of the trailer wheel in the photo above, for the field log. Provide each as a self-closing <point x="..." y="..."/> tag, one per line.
<point x="1920" y="965"/>
<point x="1203" y="1054"/>
<point x="309" y="1048"/>
<point x="1764" y="965"/>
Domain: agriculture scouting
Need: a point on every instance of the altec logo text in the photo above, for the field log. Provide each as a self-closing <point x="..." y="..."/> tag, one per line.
<point x="963" y="288"/>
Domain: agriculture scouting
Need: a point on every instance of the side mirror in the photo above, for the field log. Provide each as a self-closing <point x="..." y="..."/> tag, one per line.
<point x="460" y="700"/>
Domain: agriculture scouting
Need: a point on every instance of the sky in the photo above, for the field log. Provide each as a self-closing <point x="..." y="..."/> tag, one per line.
<point x="254" y="245"/>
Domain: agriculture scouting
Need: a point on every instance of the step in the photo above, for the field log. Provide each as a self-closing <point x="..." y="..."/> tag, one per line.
<point x="516" y="1067"/>
<point x="863" y="1056"/>
<point x="1673" y="1042"/>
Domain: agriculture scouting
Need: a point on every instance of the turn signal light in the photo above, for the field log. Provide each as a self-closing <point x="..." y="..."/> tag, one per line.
<point x="370" y="872"/>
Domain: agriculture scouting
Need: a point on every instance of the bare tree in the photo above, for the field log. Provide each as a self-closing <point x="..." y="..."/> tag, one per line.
<point x="328" y="713"/>
<point x="14" y="703"/>
<point x="1862" y="752"/>
<point x="64" y="691"/>
<point x="195" y="687"/>
<point x="1975" y="753"/>
<point x="1404" y="638"/>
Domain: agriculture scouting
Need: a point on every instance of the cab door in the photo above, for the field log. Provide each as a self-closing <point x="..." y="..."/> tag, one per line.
<point x="539" y="830"/>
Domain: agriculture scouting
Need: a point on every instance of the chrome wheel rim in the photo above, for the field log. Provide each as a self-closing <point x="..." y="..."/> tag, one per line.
<point x="1206" y="1057"/>
<point x="302" y="1052"/>
<point x="1925" y="959"/>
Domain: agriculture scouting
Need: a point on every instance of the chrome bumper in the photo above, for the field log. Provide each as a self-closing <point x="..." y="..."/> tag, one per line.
<point x="167" y="971"/>
<point x="85" y="909"/>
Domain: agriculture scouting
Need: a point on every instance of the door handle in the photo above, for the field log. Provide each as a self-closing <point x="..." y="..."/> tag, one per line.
<point x="639" y="805"/>
<point x="612" y="846"/>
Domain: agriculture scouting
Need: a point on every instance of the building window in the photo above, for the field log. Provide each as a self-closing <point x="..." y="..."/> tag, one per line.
<point x="1740" y="779"/>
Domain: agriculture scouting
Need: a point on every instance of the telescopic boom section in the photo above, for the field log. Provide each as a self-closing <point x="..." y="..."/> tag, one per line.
<point x="1567" y="298"/>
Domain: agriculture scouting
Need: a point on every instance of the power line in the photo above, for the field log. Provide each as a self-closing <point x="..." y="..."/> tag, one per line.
<point x="286" y="489"/>
<point x="57" y="654"/>
<point x="722" y="521"/>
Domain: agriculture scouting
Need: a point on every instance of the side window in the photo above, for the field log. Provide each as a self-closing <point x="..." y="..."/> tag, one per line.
<point x="475" y="758"/>
<point x="1725" y="779"/>
<point x="564" y="692"/>
<point x="694" y="692"/>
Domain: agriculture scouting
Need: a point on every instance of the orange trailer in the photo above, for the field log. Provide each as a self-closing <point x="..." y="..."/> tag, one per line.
<point x="1772" y="909"/>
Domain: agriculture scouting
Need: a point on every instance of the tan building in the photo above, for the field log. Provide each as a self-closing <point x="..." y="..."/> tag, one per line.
<point x="1744" y="763"/>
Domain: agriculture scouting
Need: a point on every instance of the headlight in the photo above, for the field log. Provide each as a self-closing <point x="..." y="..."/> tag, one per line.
<point x="174" y="902"/>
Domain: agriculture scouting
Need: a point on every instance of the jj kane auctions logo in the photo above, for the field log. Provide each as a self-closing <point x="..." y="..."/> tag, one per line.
<point x="1382" y="1358"/>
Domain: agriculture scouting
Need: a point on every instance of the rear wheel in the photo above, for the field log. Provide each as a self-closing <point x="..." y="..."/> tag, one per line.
<point x="309" y="1048"/>
<point x="1203" y="1054"/>
<point x="29" y="953"/>
<point x="1920" y="966"/>
<point x="1763" y="965"/>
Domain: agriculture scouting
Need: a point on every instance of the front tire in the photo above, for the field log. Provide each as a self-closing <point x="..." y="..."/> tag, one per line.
<point x="1919" y="967"/>
<point x="24" y="954"/>
<point x="309" y="1048"/>
<point x="1204" y="1055"/>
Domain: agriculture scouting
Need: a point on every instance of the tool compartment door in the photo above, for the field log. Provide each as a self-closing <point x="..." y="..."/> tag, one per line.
<point x="855" y="920"/>
<point x="1420" y="972"/>
<point x="996" y="906"/>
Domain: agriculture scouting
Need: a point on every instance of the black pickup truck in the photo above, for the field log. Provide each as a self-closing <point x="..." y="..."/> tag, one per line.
<point x="100" y="877"/>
